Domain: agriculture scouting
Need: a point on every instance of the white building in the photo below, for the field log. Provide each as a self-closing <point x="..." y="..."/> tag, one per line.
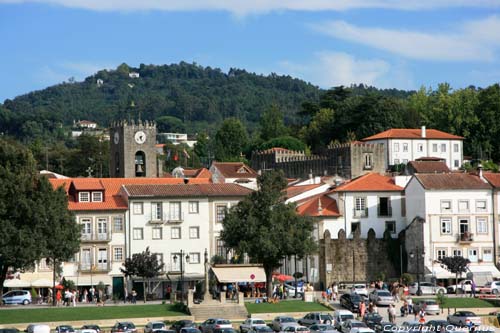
<point x="234" y="172"/>
<point x="452" y="215"/>
<point x="404" y="145"/>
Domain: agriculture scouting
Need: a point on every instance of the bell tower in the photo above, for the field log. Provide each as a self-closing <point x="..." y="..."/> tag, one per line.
<point x="133" y="151"/>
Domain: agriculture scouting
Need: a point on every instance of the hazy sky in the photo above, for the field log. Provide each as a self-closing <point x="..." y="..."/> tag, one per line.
<point x="386" y="43"/>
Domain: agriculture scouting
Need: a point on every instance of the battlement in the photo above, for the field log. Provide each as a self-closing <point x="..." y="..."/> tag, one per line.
<point x="140" y="124"/>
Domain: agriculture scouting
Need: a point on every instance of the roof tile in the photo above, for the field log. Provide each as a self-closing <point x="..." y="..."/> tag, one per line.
<point x="370" y="182"/>
<point x="411" y="133"/>
<point x="318" y="205"/>
<point x="188" y="190"/>
<point x="451" y="181"/>
<point x="235" y="170"/>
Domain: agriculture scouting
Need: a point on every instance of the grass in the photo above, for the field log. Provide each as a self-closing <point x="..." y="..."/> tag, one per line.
<point x="466" y="302"/>
<point x="14" y="316"/>
<point x="286" y="306"/>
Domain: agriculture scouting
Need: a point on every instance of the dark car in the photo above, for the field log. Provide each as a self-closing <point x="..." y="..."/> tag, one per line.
<point x="165" y="331"/>
<point x="124" y="327"/>
<point x="261" y="329"/>
<point x="385" y="327"/>
<point x="9" y="330"/>
<point x="92" y="327"/>
<point x="371" y="319"/>
<point x="189" y="330"/>
<point x="224" y="330"/>
<point x="351" y="302"/>
<point x="65" y="329"/>
<point x="176" y="326"/>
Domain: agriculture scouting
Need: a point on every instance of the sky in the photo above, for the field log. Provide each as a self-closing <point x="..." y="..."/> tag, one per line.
<point x="404" y="44"/>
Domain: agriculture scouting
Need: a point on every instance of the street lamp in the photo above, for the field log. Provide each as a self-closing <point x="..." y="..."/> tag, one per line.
<point x="182" y="271"/>
<point x="418" y="253"/>
<point x="206" y="295"/>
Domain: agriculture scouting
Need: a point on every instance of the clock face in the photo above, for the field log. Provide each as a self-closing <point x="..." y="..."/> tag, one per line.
<point x="140" y="137"/>
<point x="116" y="138"/>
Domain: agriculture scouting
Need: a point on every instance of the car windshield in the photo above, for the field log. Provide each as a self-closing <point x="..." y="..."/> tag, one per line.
<point x="384" y="293"/>
<point x="287" y="320"/>
<point x="325" y="317"/>
<point x="158" y="325"/>
<point x="302" y="329"/>
<point x="430" y="302"/>
<point x="326" y="328"/>
<point x="468" y="314"/>
<point x="355" y="298"/>
<point x="190" y="330"/>
<point x="359" y="286"/>
<point x="358" y="324"/>
<point x="345" y="317"/>
<point x="264" y="329"/>
<point x="259" y="322"/>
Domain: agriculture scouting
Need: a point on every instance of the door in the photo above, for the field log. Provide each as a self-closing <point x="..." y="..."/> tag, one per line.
<point x="102" y="260"/>
<point x="473" y="255"/>
<point x="86" y="261"/>
<point x="102" y="229"/>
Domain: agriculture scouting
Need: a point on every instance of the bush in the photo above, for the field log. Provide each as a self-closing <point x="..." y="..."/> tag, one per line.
<point x="180" y="307"/>
<point x="407" y="278"/>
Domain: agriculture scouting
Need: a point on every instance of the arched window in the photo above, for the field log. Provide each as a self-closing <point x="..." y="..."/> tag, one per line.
<point x="140" y="164"/>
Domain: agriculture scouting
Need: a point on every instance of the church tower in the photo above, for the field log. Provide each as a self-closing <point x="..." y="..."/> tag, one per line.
<point x="133" y="151"/>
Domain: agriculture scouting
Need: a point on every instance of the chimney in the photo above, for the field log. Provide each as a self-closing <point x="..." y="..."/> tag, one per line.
<point x="423" y="132"/>
<point x="480" y="172"/>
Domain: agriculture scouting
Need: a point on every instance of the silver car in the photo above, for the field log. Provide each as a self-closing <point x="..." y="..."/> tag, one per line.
<point x="316" y="318"/>
<point x="250" y="323"/>
<point x="426" y="288"/>
<point x="280" y="322"/>
<point x="322" y="328"/>
<point x="464" y="318"/>
<point x="429" y="305"/>
<point x="350" y="324"/>
<point x="154" y="326"/>
<point x="209" y="325"/>
<point x="381" y="297"/>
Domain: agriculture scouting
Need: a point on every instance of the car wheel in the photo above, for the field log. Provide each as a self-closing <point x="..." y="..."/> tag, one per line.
<point x="328" y="322"/>
<point x="26" y="302"/>
<point x="494" y="291"/>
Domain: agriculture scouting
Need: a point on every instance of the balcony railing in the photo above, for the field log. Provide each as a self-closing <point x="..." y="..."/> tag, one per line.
<point x="360" y="212"/>
<point x="384" y="211"/>
<point x="96" y="237"/>
<point x="175" y="218"/>
<point x="97" y="268"/>
<point x="465" y="237"/>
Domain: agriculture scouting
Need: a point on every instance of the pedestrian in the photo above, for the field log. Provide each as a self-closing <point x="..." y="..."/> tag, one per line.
<point x="329" y="293"/>
<point x="281" y="291"/>
<point x="392" y="313"/>
<point x="362" y="308"/>
<point x="73" y="298"/>
<point x="134" y="296"/>
<point x="335" y="291"/>
<point x="370" y="307"/>
<point x="58" y="297"/>
<point x="91" y="294"/>
<point x="473" y="289"/>
<point x="85" y="295"/>
<point x="421" y="316"/>
<point x="375" y="308"/>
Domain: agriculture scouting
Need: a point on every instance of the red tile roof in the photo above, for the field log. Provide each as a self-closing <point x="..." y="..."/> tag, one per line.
<point x="451" y="181"/>
<point x="235" y="170"/>
<point x="197" y="173"/>
<point x="492" y="178"/>
<point x="189" y="190"/>
<point x="292" y="191"/>
<point x="369" y="182"/>
<point x="429" y="166"/>
<point x="411" y="133"/>
<point x="318" y="205"/>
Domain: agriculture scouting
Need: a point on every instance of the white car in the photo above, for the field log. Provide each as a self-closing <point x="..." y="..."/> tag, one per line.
<point x="250" y="323"/>
<point x="359" y="289"/>
<point x="280" y="322"/>
<point x="154" y="326"/>
<point x="340" y="316"/>
<point x="490" y="288"/>
<point x="381" y="297"/>
<point x="37" y="328"/>
<point x="464" y="318"/>
<point x="290" y="289"/>
<point x="427" y="288"/>
<point x="429" y="305"/>
<point x="362" y="330"/>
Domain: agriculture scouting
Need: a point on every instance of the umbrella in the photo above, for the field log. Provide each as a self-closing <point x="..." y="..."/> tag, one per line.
<point x="283" y="277"/>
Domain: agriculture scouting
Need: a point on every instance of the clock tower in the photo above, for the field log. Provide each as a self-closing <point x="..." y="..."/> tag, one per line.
<point x="133" y="152"/>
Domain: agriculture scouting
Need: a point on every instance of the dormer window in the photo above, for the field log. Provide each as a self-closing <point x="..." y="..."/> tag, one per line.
<point x="242" y="170"/>
<point x="84" y="197"/>
<point x="96" y="196"/>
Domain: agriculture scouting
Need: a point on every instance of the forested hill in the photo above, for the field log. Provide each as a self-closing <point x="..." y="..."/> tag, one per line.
<point x="199" y="96"/>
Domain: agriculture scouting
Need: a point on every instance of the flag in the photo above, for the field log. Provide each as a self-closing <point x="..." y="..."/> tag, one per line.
<point x="186" y="153"/>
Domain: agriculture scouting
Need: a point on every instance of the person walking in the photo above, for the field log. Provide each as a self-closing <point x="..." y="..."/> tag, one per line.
<point x="392" y="313"/>
<point x="134" y="296"/>
<point x="362" y="309"/>
<point x="473" y="289"/>
<point x="335" y="291"/>
<point x="58" y="297"/>
<point x="421" y="316"/>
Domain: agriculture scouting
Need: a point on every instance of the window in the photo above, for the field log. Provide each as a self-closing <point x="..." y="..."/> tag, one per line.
<point x="117" y="224"/>
<point x="396" y="147"/>
<point x="456" y="148"/>
<point x="84" y="197"/>
<point x="175" y="211"/>
<point x="456" y="163"/>
<point x="403" y="206"/>
<point x="138" y="233"/>
<point x="384" y="206"/>
<point x="480" y="205"/>
<point x="102" y="228"/>
<point x="97" y="196"/>
<point x="194" y="258"/>
<point x="445" y="205"/>
<point x="441" y="253"/>
<point x="463" y="205"/>
<point x="102" y="259"/>
<point x="487" y="255"/>
<point x="156" y="211"/>
<point x="86" y="259"/>
<point x="86" y="226"/>
<point x="194" y="207"/>
<point x="391" y="226"/>
<point x="355" y="226"/>
<point x="405" y="147"/>
<point x="443" y="147"/>
<point x="118" y="254"/>
<point x="473" y="255"/>
<point x="368" y="161"/>
<point x="405" y="161"/>
<point x="159" y="259"/>
<point x="481" y="225"/>
<point x="157" y="233"/>
<point x="396" y="161"/>
<point x="445" y="226"/>
<point x="434" y="147"/>
<point x="175" y="233"/>
<point x="463" y="224"/>
<point x="420" y="147"/>
<point x="360" y="209"/>
<point x="457" y="252"/>
<point x="221" y="248"/>
<point x="138" y="208"/>
<point x="194" y="232"/>
<point x="221" y="212"/>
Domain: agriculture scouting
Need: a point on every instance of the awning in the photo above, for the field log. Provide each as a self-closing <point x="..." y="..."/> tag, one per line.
<point x="439" y="272"/>
<point x="239" y="274"/>
<point x="42" y="283"/>
<point x="485" y="268"/>
<point x="16" y="283"/>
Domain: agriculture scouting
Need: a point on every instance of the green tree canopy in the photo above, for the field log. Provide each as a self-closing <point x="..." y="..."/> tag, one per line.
<point x="230" y="140"/>
<point x="272" y="124"/>
<point x="169" y="124"/>
<point x="455" y="264"/>
<point x="266" y="228"/>
<point x="288" y="142"/>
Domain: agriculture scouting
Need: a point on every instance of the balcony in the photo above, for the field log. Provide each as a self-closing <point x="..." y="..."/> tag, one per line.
<point x="96" y="237"/>
<point x="175" y="218"/>
<point x="384" y="211"/>
<point x="99" y="268"/>
<point x="360" y="212"/>
<point x="465" y="238"/>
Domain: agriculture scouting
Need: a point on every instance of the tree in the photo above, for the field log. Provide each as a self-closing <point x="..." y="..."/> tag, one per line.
<point x="144" y="265"/>
<point x="287" y="142"/>
<point x="272" y="124"/>
<point x="230" y="140"/>
<point x="169" y="124"/>
<point x="266" y="228"/>
<point x="457" y="265"/>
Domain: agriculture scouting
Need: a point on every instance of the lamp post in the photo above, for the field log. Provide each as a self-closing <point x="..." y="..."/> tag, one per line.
<point x="418" y="254"/>
<point x="181" y="258"/>
<point x="206" y="296"/>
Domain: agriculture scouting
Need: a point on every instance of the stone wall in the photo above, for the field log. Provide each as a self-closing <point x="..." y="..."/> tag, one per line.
<point x="356" y="259"/>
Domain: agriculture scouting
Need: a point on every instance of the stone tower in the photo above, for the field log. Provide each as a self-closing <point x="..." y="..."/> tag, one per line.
<point x="133" y="151"/>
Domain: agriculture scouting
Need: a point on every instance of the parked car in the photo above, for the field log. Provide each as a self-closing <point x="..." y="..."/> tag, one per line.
<point x="124" y="327"/>
<point x="176" y="326"/>
<point x="172" y="331"/>
<point x="224" y="330"/>
<point x="65" y="329"/>
<point x="280" y="322"/>
<point x="385" y="327"/>
<point x="412" y="326"/>
<point x="362" y="330"/>
<point x="212" y="323"/>
<point x="17" y="297"/>
<point x="371" y="319"/>
<point x="464" y="318"/>
<point x="261" y="329"/>
<point x="9" y="330"/>
<point x="87" y="330"/>
<point x="492" y="287"/>
<point x="296" y="329"/>
<point x="426" y="288"/>
<point x="381" y="297"/>
<point x="322" y="328"/>
<point x="464" y="286"/>
<point x="249" y="323"/>
<point x="188" y="330"/>
<point x="316" y="318"/>
<point x="437" y="325"/>
<point x="37" y="328"/>
<point x="360" y="289"/>
<point x="351" y="302"/>
<point x="350" y="324"/>
<point x="429" y="305"/>
<point x="339" y="316"/>
<point x="92" y="327"/>
<point x="154" y="326"/>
